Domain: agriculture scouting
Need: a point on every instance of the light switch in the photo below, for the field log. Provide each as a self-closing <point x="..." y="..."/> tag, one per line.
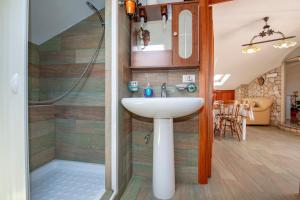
<point x="189" y="78"/>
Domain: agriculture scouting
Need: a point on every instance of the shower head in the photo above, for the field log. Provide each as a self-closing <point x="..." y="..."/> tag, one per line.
<point x="93" y="7"/>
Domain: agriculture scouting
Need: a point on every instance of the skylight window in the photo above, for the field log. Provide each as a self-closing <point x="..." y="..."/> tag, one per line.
<point x="220" y="79"/>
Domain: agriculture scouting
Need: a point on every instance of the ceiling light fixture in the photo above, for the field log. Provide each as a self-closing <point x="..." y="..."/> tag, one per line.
<point x="283" y="41"/>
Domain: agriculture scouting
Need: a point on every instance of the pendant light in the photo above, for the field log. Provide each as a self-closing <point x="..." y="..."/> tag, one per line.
<point x="281" y="42"/>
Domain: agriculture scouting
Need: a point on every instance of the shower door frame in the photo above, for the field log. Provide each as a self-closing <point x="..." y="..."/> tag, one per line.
<point x="111" y="100"/>
<point x="14" y="112"/>
<point x="19" y="127"/>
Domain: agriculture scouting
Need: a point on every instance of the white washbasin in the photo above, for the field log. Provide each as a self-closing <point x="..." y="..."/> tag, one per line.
<point x="162" y="108"/>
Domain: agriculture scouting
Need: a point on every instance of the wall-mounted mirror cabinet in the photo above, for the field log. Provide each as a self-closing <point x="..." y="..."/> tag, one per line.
<point x="168" y="38"/>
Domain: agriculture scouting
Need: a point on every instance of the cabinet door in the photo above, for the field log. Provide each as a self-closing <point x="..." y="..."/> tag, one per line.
<point x="185" y="34"/>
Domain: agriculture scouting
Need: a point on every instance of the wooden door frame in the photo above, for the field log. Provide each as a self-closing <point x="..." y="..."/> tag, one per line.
<point x="206" y="75"/>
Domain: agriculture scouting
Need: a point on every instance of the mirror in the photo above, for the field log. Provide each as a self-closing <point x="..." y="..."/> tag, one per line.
<point x="185" y="35"/>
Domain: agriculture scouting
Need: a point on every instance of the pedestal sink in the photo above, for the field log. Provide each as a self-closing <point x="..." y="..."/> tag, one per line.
<point x="163" y="110"/>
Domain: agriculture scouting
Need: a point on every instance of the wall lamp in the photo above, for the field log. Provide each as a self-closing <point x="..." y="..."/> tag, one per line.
<point x="283" y="41"/>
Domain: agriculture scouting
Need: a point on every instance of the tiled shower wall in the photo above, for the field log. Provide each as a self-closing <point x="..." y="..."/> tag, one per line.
<point x="186" y="129"/>
<point x="41" y="135"/>
<point x="33" y="71"/>
<point x="41" y="118"/>
<point x="79" y="118"/>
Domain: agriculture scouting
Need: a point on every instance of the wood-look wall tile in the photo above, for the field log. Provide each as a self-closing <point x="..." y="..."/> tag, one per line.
<point x="34" y="83"/>
<point x="33" y="54"/>
<point x="81" y="112"/>
<point x="33" y="70"/>
<point x="70" y="71"/>
<point x="80" y="140"/>
<point x="72" y="126"/>
<point x="41" y="158"/>
<point x="41" y="113"/>
<point x="69" y="152"/>
<point x="84" y="56"/>
<point x="81" y="99"/>
<point x="58" y="57"/>
<point x="94" y="85"/>
<point x="42" y="143"/>
<point x="142" y="169"/>
<point x="54" y="44"/>
<point x="41" y="128"/>
<point x="90" y="41"/>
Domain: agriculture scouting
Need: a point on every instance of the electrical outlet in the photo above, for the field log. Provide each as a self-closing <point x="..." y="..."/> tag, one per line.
<point x="189" y="78"/>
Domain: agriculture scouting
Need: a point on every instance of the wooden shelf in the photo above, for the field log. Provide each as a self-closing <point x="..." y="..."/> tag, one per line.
<point x="153" y="11"/>
<point x="166" y="67"/>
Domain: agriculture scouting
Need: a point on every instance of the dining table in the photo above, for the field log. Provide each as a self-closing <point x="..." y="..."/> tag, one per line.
<point x="244" y="113"/>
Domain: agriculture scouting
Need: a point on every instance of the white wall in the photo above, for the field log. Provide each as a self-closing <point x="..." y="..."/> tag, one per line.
<point x="48" y="18"/>
<point x="13" y="126"/>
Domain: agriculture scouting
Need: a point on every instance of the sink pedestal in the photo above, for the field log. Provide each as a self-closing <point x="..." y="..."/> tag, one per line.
<point x="163" y="111"/>
<point x="163" y="159"/>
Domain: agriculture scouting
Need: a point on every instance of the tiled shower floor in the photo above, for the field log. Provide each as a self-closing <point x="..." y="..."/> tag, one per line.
<point x="66" y="180"/>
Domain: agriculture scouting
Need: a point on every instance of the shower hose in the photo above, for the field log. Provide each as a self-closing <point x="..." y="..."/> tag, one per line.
<point x="84" y="76"/>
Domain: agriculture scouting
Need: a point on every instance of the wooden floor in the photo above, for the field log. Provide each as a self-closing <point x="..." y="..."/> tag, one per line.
<point x="265" y="167"/>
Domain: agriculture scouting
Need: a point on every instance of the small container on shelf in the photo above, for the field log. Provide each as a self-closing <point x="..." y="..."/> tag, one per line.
<point x="133" y="86"/>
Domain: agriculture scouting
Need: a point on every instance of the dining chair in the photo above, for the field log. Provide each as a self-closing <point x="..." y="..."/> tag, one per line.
<point x="232" y="119"/>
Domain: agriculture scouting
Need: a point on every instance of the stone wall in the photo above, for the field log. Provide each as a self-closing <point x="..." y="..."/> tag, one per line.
<point x="271" y="88"/>
<point x="241" y="92"/>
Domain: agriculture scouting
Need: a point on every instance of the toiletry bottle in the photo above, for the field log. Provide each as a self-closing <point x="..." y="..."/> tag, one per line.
<point x="148" y="91"/>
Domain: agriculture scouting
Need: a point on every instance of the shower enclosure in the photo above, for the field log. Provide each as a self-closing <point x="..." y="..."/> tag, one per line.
<point x="66" y="92"/>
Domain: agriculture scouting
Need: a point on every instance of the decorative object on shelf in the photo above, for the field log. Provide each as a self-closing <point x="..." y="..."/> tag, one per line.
<point x="133" y="86"/>
<point x="143" y="16"/>
<point x="131" y="7"/>
<point x="146" y="37"/>
<point x="164" y="15"/>
<point x="260" y="81"/>
<point x="191" y="87"/>
<point x="283" y="41"/>
<point x="143" y="38"/>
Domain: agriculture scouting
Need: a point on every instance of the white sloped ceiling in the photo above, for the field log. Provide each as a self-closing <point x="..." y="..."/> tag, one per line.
<point x="48" y="18"/>
<point x="236" y="22"/>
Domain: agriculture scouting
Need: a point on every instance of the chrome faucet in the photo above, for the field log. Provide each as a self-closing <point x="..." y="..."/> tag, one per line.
<point x="163" y="92"/>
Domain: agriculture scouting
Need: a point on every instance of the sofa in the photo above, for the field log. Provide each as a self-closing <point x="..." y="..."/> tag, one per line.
<point x="261" y="107"/>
